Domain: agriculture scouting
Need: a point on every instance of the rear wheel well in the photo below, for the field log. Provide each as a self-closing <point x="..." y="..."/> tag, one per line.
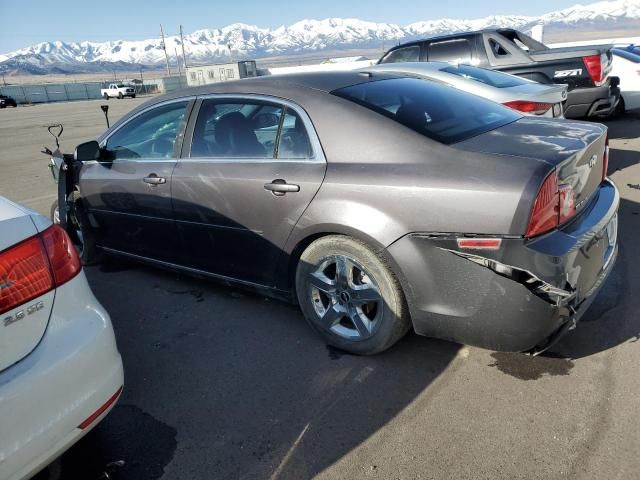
<point x="296" y="253"/>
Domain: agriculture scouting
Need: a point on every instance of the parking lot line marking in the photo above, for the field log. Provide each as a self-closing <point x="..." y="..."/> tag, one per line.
<point x="289" y="454"/>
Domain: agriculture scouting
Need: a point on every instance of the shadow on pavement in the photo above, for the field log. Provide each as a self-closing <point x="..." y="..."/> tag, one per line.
<point x="240" y="382"/>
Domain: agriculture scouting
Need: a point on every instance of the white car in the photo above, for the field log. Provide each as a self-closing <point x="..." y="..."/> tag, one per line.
<point x="529" y="97"/>
<point x="626" y="66"/>
<point x="60" y="369"/>
<point x="117" y="90"/>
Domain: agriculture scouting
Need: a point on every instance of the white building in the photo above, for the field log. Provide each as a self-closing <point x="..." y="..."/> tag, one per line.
<point x="222" y="72"/>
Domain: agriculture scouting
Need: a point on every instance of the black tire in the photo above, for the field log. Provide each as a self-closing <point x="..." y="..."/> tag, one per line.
<point x="620" y="109"/>
<point x="84" y="237"/>
<point x="120" y="96"/>
<point x="391" y="319"/>
<point x="133" y="96"/>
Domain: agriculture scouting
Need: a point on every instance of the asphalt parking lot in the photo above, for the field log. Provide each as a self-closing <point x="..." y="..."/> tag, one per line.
<point x="224" y="384"/>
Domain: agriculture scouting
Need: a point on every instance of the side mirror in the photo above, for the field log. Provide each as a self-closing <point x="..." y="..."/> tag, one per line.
<point x="87" y="151"/>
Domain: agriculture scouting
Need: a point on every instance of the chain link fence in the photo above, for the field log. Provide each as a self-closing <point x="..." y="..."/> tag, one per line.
<point x="65" y="92"/>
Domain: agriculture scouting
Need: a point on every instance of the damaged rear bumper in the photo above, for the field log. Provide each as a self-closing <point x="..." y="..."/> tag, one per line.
<point x="522" y="297"/>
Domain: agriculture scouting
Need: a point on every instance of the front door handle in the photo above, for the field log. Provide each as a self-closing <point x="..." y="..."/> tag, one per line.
<point x="154" y="179"/>
<point x="279" y="187"/>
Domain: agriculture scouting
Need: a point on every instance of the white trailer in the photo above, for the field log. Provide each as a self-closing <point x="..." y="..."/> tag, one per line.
<point x="222" y="72"/>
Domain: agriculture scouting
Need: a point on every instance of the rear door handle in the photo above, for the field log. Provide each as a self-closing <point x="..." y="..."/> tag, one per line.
<point x="279" y="187"/>
<point x="154" y="179"/>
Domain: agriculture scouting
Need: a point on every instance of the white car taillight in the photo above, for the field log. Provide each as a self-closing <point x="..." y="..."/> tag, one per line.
<point x="35" y="266"/>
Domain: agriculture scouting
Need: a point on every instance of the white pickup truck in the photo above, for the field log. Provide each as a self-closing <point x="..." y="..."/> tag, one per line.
<point x="118" y="90"/>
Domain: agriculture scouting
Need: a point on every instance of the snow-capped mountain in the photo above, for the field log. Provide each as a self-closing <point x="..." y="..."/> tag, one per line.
<point x="307" y="36"/>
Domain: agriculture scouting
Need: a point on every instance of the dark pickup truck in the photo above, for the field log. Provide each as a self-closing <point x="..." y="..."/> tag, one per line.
<point x="584" y="69"/>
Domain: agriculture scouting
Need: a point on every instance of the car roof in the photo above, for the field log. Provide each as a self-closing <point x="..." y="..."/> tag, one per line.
<point x="294" y="84"/>
<point x="408" y="67"/>
<point x="448" y="36"/>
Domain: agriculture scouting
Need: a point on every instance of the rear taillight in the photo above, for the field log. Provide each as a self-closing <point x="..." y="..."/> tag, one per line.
<point x="36" y="266"/>
<point x="567" y="203"/>
<point x="534" y="108"/>
<point x="605" y="158"/>
<point x="554" y="205"/>
<point x="593" y="64"/>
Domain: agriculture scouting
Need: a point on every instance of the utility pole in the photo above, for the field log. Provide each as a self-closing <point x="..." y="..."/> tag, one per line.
<point x="178" y="62"/>
<point x="164" y="47"/>
<point x="184" y="57"/>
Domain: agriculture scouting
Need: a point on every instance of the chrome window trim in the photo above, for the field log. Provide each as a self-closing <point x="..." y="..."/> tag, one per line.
<point x="318" y="153"/>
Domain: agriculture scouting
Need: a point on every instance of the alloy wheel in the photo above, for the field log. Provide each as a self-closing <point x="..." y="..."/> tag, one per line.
<point x="346" y="298"/>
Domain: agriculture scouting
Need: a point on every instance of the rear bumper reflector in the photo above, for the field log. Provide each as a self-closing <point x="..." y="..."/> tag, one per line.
<point x="480" y="243"/>
<point x="101" y="410"/>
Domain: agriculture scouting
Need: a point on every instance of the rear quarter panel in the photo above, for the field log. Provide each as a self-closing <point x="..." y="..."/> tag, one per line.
<point x="384" y="180"/>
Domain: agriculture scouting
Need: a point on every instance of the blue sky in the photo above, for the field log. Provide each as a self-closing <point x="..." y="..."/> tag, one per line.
<point x="33" y="21"/>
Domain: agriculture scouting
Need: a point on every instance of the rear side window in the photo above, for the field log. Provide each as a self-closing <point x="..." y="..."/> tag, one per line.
<point x="407" y="54"/>
<point x="236" y="129"/>
<point x="488" y="77"/>
<point x="436" y="111"/>
<point x="450" y="50"/>
<point x="497" y="48"/>
<point x="249" y="129"/>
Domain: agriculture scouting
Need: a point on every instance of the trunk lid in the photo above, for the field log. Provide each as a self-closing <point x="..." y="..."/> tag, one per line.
<point x="537" y="92"/>
<point x="22" y="327"/>
<point x="574" y="149"/>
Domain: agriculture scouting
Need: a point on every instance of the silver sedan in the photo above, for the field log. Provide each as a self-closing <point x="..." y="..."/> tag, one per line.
<point x="526" y="96"/>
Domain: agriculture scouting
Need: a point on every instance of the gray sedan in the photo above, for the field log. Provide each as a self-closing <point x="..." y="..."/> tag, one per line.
<point x="377" y="202"/>
<point x="526" y="96"/>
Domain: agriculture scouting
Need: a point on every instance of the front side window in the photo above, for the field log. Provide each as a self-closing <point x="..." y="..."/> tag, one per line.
<point x="436" y="111"/>
<point x="149" y="136"/>
<point x="407" y="54"/>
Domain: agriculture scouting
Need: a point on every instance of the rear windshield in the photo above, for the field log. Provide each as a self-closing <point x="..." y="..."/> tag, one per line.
<point x="488" y="77"/>
<point x="436" y="111"/>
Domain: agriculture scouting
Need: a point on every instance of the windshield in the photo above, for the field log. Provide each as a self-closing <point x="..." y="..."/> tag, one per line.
<point x="436" y="111"/>
<point x="488" y="77"/>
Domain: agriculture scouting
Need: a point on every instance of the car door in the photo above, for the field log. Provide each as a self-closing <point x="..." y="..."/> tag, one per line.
<point x="253" y="166"/>
<point x="128" y="192"/>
